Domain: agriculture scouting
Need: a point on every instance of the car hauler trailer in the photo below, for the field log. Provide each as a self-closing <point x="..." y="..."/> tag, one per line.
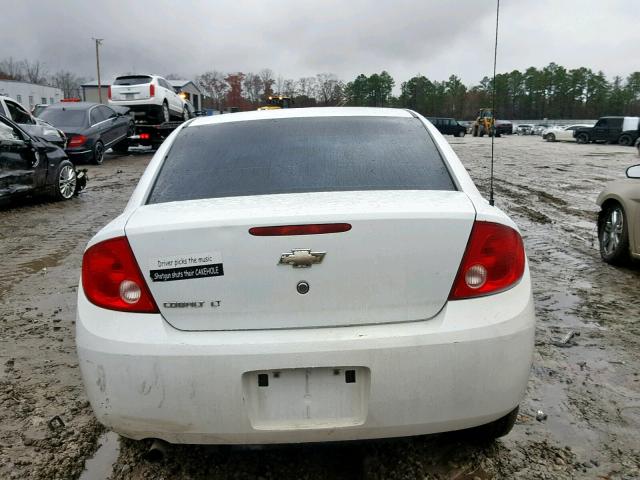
<point x="152" y="135"/>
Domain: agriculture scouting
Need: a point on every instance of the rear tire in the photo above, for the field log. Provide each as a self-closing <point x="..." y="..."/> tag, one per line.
<point x="122" y="147"/>
<point x="550" y="137"/>
<point x="498" y="428"/>
<point x="625" y="140"/>
<point x="613" y="234"/>
<point x="98" y="153"/>
<point x="582" y="138"/>
<point x="165" y="113"/>
<point x="64" y="187"/>
<point x="475" y="131"/>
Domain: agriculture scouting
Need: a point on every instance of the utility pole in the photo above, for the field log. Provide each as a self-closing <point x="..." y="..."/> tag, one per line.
<point x="98" y="43"/>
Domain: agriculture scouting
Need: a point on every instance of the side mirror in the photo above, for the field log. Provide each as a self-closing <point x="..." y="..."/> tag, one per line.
<point x="634" y="171"/>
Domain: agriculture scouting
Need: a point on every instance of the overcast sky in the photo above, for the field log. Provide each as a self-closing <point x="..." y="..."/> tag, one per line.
<point x="303" y="37"/>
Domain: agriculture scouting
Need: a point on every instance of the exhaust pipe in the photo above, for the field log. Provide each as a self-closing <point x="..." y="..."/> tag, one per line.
<point x="157" y="452"/>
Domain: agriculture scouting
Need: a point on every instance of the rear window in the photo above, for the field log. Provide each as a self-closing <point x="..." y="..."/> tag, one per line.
<point x="132" y="80"/>
<point x="294" y="155"/>
<point x="63" y="117"/>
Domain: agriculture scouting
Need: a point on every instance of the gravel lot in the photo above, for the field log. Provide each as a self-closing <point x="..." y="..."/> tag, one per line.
<point x="589" y="389"/>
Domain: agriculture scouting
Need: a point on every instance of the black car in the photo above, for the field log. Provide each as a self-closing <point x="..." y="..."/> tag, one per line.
<point x="29" y="164"/>
<point x="90" y="128"/>
<point x="448" y="126"/>
<point x="503" y="127"/>
<point x="622" y="130"/>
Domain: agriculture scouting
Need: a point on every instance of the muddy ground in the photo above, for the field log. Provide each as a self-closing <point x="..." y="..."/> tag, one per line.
<point x="589" y="389"/>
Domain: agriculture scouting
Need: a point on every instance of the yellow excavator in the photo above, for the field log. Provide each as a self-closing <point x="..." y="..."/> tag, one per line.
<point x="276" y="102"/>
<point x="485" y="123"/>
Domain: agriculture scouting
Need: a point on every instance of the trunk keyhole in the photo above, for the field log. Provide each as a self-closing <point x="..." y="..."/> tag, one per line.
<point x="302" y="287"/>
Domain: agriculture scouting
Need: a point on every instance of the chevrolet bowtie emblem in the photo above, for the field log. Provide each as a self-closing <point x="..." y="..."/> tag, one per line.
<point x="301" y="258"/>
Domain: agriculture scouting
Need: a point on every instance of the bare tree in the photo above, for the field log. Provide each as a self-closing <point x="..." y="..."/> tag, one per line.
<point x="252" y="84"/>
<point x="67" y="82"/>
<point x="266" y="75"/>
<point x="307" y="86"/>
<point x="330" y="89"/>
<point x="289" y="87"/>
<point x="214" y="85"/>
<point x="279" y="85"/>
<point x="12" y="69"/>
<point x="34" y="72"/>
<point x="173" y="76"/>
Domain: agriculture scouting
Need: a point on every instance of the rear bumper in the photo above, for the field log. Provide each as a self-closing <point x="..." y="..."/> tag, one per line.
<point x="83" y="154"/>
<point x="466" y="367"/>
<point x="143" y="107"/>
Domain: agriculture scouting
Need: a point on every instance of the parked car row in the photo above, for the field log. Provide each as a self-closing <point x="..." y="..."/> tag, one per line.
<point x="451" y="126"/>
<point x="624" y="131"/>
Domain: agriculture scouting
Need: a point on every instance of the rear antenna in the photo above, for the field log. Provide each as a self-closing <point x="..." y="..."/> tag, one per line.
<point x="493" y="104"/>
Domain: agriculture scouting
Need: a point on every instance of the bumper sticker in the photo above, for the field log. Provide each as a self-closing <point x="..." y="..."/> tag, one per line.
<point x="186" y="267"/>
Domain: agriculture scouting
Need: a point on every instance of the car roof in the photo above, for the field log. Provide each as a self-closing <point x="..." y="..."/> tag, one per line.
<point x="302" y="113"/>
<point x="132" y="75"/>
<point x="74" y="105"/>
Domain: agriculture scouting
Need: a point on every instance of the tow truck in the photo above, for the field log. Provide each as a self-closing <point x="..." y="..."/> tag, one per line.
<point x="151" y="134"/>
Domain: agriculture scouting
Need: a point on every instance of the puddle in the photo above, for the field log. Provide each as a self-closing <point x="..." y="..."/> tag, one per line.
<point x="100" y="466"/>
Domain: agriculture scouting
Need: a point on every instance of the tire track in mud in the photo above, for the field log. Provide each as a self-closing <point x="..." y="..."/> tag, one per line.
<point x="39" y="234"/>
<point x="42" y="245"/>
<point x="587" y="403"/>
<point x="585" y="387"/>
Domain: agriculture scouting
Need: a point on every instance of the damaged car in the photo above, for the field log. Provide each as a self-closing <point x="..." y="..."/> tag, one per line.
<point x="11" y="109"/>
<point x="31" y="165"/>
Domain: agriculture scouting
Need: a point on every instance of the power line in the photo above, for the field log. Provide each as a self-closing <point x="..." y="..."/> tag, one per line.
<point x="98" y="43"/>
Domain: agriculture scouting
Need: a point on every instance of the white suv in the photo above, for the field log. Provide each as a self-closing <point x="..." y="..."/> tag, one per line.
<point x="147" y="96"/>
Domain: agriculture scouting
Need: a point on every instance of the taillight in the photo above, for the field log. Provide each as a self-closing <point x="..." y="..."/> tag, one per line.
<point x="493" y="261"/>
<point x="77" y="141"/>
<point x="111" y="278"/>
<point x="152" y="90"/>
<point x="109" y="92"/>
<point x="311" y="229"/>
<point x="145" y="136"/>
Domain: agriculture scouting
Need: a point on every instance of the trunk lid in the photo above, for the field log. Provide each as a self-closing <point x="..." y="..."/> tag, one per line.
<point x="131" y="88"/>
<point x="396" y="264"/>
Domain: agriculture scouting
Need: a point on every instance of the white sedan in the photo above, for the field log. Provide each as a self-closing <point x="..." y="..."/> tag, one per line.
<point x="305" y="275"/>
<point x="564" y="133"/>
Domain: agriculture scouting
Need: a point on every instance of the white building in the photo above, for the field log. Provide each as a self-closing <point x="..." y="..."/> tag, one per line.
<point x="30" y="94"/>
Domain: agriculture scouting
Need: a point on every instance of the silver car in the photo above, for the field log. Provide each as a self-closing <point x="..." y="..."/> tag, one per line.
<point x="619" y="219"/>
